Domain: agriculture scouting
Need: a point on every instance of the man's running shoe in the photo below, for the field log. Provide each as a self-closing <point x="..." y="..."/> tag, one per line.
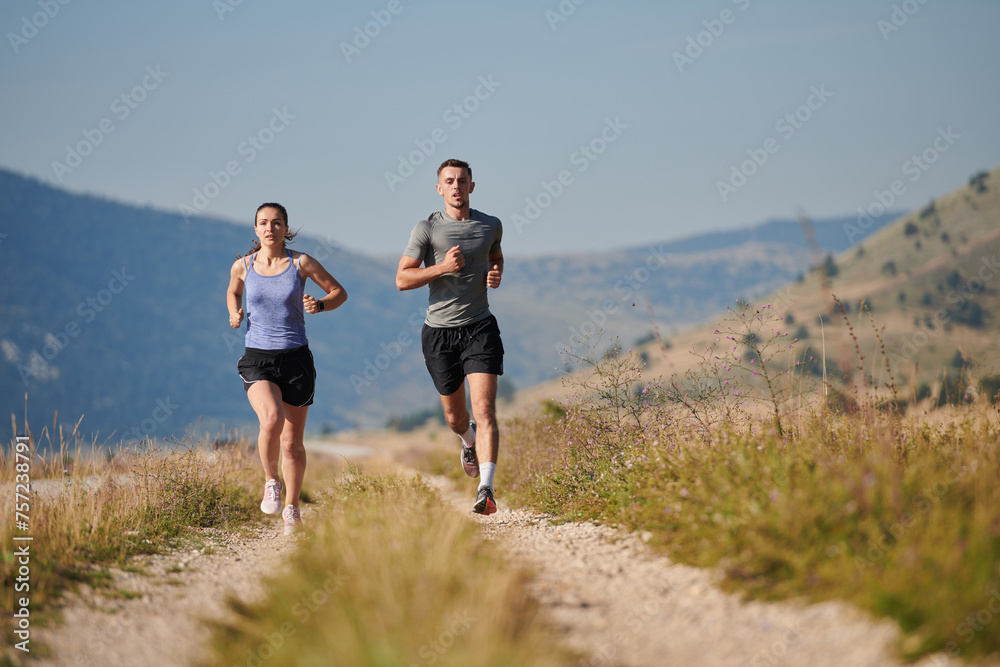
<point x="485" y="503"/>
<point x="272" y="497"/>
<point x="470" y="462"/>
<point x="293" y="519"/>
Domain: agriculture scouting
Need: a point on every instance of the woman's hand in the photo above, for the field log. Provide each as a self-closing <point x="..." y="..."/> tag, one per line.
<point x="310" y="304"/>
<point x="235" y="319"/>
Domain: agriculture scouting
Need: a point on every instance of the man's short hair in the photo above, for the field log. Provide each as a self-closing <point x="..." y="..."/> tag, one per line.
<point x="461" y="164"/>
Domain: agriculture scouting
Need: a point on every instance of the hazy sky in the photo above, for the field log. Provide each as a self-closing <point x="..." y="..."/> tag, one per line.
<point x="623" y="123"/>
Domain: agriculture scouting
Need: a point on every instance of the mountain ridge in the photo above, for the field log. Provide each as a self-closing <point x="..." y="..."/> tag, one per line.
<point x="117" y="313"/>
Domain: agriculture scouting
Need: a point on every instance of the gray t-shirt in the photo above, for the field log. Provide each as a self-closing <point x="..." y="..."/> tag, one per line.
<point x="459" y="298"/>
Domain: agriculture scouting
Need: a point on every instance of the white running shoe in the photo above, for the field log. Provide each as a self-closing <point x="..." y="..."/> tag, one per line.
<point x="272" y="497"/>
<point x="470" y="462"/>
<point x="293" y="519"/>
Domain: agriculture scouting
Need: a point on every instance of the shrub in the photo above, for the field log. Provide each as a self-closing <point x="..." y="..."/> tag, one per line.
<point x="989" y="386"/>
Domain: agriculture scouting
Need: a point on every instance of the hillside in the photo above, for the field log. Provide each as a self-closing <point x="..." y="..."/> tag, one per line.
<point x="116" y="313"/>
<point x="930" y="282"/>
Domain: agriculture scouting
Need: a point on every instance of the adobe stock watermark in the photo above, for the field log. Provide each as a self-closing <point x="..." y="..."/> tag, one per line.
<point x="303" y="610"/>
<point x="972" y="625"/>
<point x="562" y="12"/>
<point x="107" y="637"/>
<point x="363" y="36"/>
<point x="248" y="150"/>
<point x="581" y="158"/>
<point x="898" y="17"/>
<point x="786" y="126"/>
<point x="147" y="427"/>
<point x="698" y="43"/>
<point x="325" y="246"/>
<point x="454" y="116"/>
<point x="624" y="290"/>
<point x="87" y="310"/>
<point x="122" y="107"/>
<point x="923" y="503"/>
<point x="773" y="654"/>
<point x="391" y="350"/>
<point x="638" y="617"/>
<point x="223" y="7"/>
<point x="915" y="168"/>
<point x="958" y="297"/>
<point x="37" y="21"/>
<point x="430" y="652"/>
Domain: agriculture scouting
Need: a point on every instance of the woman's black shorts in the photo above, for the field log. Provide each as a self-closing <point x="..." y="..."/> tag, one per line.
<point x="453" y="353"/>
<point x="292" y="370"/>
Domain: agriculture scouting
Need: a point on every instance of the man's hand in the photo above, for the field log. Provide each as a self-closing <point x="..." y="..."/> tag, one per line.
<point x="236" y="318"/>
<point x="493" y="277"/>
<point x="453" y="261"/>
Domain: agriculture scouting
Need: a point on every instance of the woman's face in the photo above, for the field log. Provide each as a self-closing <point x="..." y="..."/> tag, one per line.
<point x="270" y="227"/>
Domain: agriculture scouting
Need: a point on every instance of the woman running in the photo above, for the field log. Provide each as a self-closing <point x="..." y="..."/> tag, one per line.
<point x="277" y="367"/>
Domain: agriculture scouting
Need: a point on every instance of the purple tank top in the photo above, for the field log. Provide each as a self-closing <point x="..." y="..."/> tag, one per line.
<point x="275" y="316"/>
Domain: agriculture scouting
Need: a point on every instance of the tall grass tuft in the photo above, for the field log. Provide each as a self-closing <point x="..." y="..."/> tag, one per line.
<point x="390" y="575"/>
<point x="828" y="500"/>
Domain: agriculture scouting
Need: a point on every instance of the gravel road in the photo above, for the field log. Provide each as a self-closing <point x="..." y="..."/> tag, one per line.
<point x="610" y="595"/>
<point x="626" y="606"/>
<point x="163" y="625"/>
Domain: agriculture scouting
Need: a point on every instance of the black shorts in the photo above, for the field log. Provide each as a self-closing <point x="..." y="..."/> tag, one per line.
<point x="453" y="353"/>
<point x="292" y="370"/>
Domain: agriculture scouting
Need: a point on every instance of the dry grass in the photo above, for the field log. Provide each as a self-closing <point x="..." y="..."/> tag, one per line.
<point x="390" y="575"/>
<point x="826" y="495"/>
<point x="100" y="513"/>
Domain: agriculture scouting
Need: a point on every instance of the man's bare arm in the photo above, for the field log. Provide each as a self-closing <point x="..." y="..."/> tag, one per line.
<point x="409" y="275"/>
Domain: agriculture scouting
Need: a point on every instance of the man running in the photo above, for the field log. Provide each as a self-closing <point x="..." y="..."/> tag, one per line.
<point x="460" y="250"/>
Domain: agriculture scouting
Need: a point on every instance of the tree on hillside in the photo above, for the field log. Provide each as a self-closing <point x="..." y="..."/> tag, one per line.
<point x="970" y="314"/>
<point x="958" y="360"/>
<point x="830" y="267"/>
<point x="978" y="182"/>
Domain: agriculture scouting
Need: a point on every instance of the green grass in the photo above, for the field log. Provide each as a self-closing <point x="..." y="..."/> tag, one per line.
<point x="388" y="574"/>
<point x="898" y="516"/>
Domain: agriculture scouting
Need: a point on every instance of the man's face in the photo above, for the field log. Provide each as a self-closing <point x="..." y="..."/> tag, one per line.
<point x="455" y="186"/>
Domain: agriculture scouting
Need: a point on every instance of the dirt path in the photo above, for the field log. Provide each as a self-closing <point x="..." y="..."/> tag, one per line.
<point x="624" y="605"/>
<point x="163" y="624"/>
<point x="608" y="593"/>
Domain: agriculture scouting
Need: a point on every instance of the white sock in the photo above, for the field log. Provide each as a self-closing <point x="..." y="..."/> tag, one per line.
<point x="486" y="471"/>
<point x="469" y="437"/>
